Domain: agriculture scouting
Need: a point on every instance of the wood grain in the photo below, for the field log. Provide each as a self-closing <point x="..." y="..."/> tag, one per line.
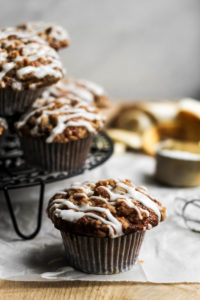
<point x="97" y="290"/>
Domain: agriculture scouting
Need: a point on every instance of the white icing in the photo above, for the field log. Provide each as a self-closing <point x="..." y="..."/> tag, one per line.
<point x="16" y="85"/>
<point x="122" y="192"/>
<point x="75" y="89"/>
<point x="40" y="72"/>
<point x="122" y="196"/>
<point x="67" y="116"/>
<point x="93" y="87"/>
<point x="142" y="198"/>
<point x="38" y="31"/>
<point x="61" y="192"/>
<point x="31" y="50"/>
<point x="72" y="89"/>
<point x="112" y="222"/>
<point x="6" y="68"/>
<point x="3" y="56"/>
<point x="57" y="32"/>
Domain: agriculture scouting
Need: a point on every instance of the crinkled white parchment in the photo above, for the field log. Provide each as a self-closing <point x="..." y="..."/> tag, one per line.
<point x="170" y="252"/>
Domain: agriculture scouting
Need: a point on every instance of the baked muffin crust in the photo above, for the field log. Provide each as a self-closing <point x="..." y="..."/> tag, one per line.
<point x="107" y="208"/>
<point x="54" y="35"/>
<point x="85" y="90"/>
<point x="27" y="62"/>
<point x="60" y="120"/>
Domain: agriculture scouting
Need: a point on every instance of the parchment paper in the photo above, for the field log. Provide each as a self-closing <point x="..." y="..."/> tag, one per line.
<point x="170" y="252"/>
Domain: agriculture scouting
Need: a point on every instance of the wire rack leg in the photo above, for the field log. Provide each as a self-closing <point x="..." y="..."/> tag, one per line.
<point x="13" y="217"/>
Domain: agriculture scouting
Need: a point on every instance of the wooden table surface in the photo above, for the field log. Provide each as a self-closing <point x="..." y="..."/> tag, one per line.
<point x="97" y="290"/>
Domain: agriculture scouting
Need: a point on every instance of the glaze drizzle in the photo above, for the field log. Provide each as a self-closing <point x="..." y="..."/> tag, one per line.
<point x="65" y="209"/>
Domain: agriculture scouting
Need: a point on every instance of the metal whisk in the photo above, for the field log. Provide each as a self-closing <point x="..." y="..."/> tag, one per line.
<point x="189" y="211"/>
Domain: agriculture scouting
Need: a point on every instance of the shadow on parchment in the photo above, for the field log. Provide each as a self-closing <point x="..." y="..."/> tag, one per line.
<point x="46" y="259"/>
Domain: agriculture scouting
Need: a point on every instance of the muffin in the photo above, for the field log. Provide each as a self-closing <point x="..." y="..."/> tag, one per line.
<point x="57" y="135"/>
<point x="103" y="224"/>
<point x="27" y="65"/>
<point x="3" y="129"/>
<point x="85" y="90"/>
<point x="54" y="35"/>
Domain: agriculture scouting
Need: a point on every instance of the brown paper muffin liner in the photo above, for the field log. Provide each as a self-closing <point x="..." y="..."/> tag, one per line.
<point x="13" y="102"/>
<point x="102" y="255"/>
<point x="55" y="157"/>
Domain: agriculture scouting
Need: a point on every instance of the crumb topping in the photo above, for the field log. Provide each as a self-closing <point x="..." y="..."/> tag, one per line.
<point x="60" y="120"/>
<point x="81" y="89"/>
<point x="27" y="62"/>
<point x="105" y="208"/>
<point x="54" y="35"/>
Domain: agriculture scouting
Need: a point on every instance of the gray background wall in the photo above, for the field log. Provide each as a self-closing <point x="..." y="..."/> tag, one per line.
<point x="135" y="48"/>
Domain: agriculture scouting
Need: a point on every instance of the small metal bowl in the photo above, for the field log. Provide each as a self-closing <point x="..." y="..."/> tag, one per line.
<point x="178" y="163"/>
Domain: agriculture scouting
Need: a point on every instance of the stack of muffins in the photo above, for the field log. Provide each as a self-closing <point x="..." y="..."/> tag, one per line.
<point x="57" y="117"/>
<point x="102" y="223"/>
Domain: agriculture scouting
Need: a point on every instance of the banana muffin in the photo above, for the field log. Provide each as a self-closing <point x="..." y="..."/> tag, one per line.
<point x="85" y="90"/>
<point x="58" y="134"/>
<point x="103" y="223"/>
<point x="27" y="65"/>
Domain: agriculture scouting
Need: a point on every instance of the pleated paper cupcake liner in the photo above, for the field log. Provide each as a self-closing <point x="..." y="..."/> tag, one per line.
<point x="55" y="157"/>
<point x="13" y="102"/>
<point x="102" y="255"/>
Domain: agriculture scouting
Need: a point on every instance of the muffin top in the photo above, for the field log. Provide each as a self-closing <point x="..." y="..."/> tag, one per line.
<point x="107" y="208"/>
<point x="54" y="35"/>
<point x="27" y="62"/>
<point x="85" y="90"/>
<point x="3" y="125"/>
<point x="60" y="120"/>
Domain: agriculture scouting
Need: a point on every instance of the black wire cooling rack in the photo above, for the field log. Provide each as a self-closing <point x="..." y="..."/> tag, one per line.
<point x="16" y="174"/>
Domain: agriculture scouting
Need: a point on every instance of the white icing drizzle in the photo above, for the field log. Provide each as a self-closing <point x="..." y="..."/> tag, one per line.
<point x="61" y="192"/>
<point x="93" y="87"/>
<point x="126" y="198"/>
<point x="67" y="116"/>
<point x="75" y="89"/>
<point x="39" y="72"/>
<point x="71" y="86"/>
<point x="30" y="49"/>
<point x="142" y="198"/>
<point x="84" y="210"/>
<point x="57" y="32"/>
<point x="46" y="32"/>
<point x="67" y="210"/>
